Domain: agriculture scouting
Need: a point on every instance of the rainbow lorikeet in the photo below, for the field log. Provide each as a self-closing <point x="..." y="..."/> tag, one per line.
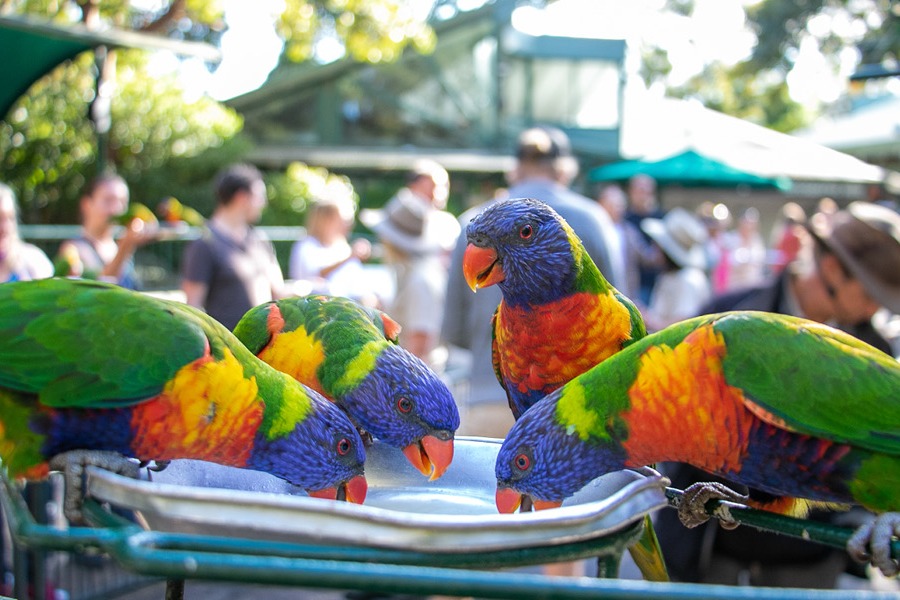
<point x="172" y="210"/>
<point x="87" y="366"/>
<point x="559" y="316"/>
<point x="345" y="352"/>
<point x="799" y="411"/>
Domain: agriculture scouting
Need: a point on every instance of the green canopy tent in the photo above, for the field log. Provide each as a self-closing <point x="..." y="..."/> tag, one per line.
<point x="30" y="48"/>
<point x="690" y="169"/>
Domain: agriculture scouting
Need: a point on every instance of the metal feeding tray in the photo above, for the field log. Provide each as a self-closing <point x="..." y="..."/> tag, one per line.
<point x="403" y="510"/>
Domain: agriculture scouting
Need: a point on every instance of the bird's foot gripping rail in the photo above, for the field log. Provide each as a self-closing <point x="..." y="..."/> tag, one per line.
<point x="186" y="556"/>
<point x="733" y="514"/>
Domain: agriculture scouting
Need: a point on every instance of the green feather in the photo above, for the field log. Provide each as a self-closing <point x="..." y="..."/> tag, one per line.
<point x="351" y="341"/>
<point x="849" y="395"/>
<point x="127" y="345"/>
<point x="253" y="329"/>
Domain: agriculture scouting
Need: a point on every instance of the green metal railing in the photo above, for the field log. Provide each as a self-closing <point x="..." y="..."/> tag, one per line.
<point x="178" y="557"/>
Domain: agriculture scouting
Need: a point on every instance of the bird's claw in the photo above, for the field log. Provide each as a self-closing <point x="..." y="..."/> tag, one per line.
<point x="872" y="543"/>
<point x="73" y="463"/>
<point x="692" y="508"/>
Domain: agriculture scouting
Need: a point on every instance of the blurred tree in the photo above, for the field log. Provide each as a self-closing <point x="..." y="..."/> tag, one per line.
<point x="48" y="146"/>
<point x="871" y="27"/>
<point x="756" y="89"/>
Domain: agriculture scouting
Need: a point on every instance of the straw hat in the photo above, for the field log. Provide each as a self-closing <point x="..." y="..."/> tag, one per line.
<point x="680" y="235"/>
<point x="866" y="238"/>
<point x="412" y="225"/>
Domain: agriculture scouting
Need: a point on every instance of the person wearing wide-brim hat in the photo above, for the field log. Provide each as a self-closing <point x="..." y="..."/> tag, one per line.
<point x="409" y="225"/>
<point x="857" y="254"/>
<point x="417" y="237"/>
<point x="683" y="287"/>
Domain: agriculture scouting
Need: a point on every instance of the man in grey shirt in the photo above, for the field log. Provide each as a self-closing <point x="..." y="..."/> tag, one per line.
<point x="232" y="267"/>
<point x="545" y="167"/>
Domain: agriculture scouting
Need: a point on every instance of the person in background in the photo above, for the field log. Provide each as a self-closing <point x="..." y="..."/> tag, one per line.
<point x="232" y="267"/>
<point x="19" y="261"/>
<point x="97" y="254"/>
<point x="787" y="236"/>
<point x="717" y="219"/>
<point x="417" y="235"/>
<point x="747" y="252"/>
<point x="643" y="204"/>
<point x="848" y="268"/>
<point x="632" y="248"/>
<point x="683" y="286"/>
<point x="324" y="258"/>
<point x="544" y="169"/>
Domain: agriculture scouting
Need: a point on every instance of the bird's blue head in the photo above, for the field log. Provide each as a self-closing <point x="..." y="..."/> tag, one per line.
<point x="526" y="248"/>
<point x="323" y="453"/>
<point x="545" y="462"/>
<point x="404" y="404"/>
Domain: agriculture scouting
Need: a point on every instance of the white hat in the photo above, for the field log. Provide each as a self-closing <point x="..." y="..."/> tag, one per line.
<point x="680" y="235"/>
<point x="412" y="225"/>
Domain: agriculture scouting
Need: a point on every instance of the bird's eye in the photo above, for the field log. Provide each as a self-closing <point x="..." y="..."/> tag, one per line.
<point x="404" y="405"/>
<point x="522" y="462"/>
<point x="343" y="446"/>
<point x="526" y="231"/>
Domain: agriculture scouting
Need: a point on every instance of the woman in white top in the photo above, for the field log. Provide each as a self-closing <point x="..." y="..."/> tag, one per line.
<point x="19" y="261"/>
<point x="683" y="288"/>
<point x="324" y="257"/>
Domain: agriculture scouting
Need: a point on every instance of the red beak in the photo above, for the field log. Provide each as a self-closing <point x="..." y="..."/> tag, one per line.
<point x="353" y="491"/>
<point x="508" y="500"/>
<point x="481" y="267"/>
<point x="430" y="455"/>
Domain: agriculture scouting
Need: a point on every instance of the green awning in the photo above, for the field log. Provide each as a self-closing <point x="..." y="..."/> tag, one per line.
<point x="690" y="169"/>
<point x="30" y="48"/>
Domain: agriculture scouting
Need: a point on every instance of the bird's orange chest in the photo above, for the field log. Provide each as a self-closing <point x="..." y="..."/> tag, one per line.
<point x="543" y="347"/>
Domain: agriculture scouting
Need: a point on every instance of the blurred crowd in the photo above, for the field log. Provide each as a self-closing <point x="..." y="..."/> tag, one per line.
<point x="839" y="266"/>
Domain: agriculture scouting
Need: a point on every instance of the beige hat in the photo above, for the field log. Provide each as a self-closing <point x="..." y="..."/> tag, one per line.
<point x="412" y="225"/>
<point x="866" y="238"/>
<point x="681" y="236"/>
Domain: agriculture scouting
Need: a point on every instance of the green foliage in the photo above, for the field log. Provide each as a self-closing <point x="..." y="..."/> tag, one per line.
<point x="162" y="142"/>
<point x="291" y="192"/>
<point x="371" y="30"/>
<point x="743" y="93"/>
<point x="48" y="145"/>
<point x="756" y="89"/>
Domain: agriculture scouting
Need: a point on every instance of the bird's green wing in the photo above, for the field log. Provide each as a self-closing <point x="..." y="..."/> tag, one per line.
<point x="813" y="379"/>
<point x="638" y="328"/>
<point x="253" y="330"/>
<point x="90" y="344"/>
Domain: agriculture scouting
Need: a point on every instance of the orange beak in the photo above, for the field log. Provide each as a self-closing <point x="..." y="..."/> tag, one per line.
<point x="430" y="455"/>
<point x="353" y="491"/>
<point x="509" y="500"/>
<point x="481" y="267"/>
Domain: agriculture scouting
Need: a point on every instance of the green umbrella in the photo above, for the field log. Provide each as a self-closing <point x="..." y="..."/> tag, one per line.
<point x="689" y="169"/>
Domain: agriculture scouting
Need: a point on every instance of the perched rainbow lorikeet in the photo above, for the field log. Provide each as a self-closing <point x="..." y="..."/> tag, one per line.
<point x="799" y="411"/>
<point x="172" y="210"/>
<point x="88" y="366"/>
<point x="559" y="315"/>
<point x="136" y="210"/>
<point x="345" y="352"/>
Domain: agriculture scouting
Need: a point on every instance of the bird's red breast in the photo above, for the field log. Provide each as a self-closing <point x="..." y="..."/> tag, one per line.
<point x="540" y="348"/>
